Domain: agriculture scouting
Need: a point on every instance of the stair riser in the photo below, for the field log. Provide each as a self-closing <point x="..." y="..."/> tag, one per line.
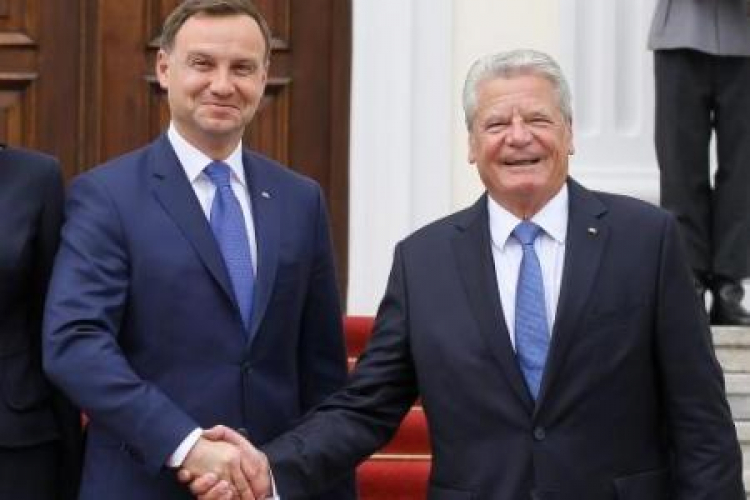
<point x="734" y="360"/>
<point x="740" y="406"/>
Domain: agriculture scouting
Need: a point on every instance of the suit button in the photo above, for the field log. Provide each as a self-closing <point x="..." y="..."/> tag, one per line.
<point x="539" y="433"/>
<point x="243" y="432"/>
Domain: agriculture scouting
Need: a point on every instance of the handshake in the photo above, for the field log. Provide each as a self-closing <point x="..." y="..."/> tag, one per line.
<point x="223" y="465"/>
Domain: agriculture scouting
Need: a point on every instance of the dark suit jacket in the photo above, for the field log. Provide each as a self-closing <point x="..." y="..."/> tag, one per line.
<point x="143" y="332"/>
<point x="31" y="412"/>
<point x="632" y="403"/>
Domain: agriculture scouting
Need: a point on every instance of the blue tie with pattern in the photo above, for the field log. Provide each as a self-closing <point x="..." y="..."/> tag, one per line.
<point x="532" y="332"/>
<point x="228" y="225"/>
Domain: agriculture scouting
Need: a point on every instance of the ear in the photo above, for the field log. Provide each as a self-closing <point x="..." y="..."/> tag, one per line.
<point x="472" y="148"/>
<point x="264" y="77"/>
<point x="571" y="146"/>
<point x="162" y="68"/>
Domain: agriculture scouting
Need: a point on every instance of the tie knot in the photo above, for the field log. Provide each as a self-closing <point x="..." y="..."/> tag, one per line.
<point x="218" y="172"/>
<point x="526" y="232"/>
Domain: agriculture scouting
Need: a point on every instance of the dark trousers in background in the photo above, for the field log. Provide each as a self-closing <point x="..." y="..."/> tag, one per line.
<point x="695" y="93"/>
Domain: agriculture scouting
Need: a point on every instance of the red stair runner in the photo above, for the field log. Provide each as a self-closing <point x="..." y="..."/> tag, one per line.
<point x="400" y="470"/>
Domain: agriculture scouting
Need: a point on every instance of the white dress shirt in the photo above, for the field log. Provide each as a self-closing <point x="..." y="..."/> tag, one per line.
<point x="193" y="161"/>
<point x="549" y="247"/>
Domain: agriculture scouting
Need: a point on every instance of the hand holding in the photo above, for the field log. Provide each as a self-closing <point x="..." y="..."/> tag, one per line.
<point x="223" y="462"/>
<point x="255" y="483"/>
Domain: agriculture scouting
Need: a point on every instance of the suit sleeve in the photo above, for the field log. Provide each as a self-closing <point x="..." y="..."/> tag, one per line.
<point x="707" y="461"/>
<point x="361" y="418"/>
<point x="86" y="306"/>
<point x="67" y="416"/>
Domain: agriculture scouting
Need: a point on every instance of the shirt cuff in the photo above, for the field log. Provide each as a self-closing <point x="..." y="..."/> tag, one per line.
<point x="274" y="492"/>
<point x="179" y="455"/>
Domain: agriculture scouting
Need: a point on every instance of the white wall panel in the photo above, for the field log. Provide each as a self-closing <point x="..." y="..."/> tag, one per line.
<point x="400" y="133"/>
<point x="611" y="73"/>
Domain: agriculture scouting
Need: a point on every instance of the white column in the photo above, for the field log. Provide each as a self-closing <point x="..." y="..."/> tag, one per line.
<point x="604" y="55"/>
<point x="400" y="134"/>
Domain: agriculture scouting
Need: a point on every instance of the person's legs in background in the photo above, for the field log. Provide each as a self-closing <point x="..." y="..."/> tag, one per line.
<point x="684" y="105"/>
<point x="731" y="200"/>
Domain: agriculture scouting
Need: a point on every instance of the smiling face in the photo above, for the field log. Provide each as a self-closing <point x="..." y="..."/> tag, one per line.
<point x="214" y="76"/>
<point x="520" y="142"/>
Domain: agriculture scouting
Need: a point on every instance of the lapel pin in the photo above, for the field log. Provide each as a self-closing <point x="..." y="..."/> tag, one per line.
<point x="593" y="231"/>
<point x="265" y="195"/>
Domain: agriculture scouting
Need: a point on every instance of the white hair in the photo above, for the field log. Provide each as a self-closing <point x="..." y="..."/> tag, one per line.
<point x="511" y="64"/>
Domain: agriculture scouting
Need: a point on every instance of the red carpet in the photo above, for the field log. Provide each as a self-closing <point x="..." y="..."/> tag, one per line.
<point x="399" y="471"/>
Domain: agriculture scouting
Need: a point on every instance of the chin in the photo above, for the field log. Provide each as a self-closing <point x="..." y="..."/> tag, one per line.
<point x="220" y="127"/>
<point x="526" y="185"/>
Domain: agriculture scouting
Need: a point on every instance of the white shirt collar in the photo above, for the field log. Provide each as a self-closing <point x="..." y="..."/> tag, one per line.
<point x="552" y="218"/>
<point x="193" y="160"/>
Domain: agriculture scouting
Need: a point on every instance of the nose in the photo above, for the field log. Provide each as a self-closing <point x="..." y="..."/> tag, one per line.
<point x="221" y="83"/>
<point x="518" y="132"/>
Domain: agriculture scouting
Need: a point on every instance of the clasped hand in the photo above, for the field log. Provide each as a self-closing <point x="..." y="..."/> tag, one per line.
<point x="225" y="466"/>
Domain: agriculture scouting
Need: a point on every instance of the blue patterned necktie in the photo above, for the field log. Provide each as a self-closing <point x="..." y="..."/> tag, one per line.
<point x="532" y="331"/>
<point x="228" y="225"/>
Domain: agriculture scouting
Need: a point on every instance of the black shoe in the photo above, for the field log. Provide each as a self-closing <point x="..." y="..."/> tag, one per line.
<point x="727" y="308"/>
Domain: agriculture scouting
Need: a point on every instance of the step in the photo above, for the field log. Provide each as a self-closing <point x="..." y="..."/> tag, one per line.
<point x="412" y="436"/>
<point x="357" y="329"/>
<point x="732" y="344"/>
<point x="393" y="478"/>
<point x="743" y="434"/>
<point x="738" y="393"/>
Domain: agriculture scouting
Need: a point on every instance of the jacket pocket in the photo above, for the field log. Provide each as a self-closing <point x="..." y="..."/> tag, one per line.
<point x="650" y="485"/>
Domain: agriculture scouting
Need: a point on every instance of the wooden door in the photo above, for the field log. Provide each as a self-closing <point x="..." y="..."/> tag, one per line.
<point x="77" y="80"/>
<point x="39" y="77"/>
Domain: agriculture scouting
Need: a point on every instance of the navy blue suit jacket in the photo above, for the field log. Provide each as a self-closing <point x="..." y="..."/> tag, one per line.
<point x="141" y="327"/>
<point x="632" y="403"/>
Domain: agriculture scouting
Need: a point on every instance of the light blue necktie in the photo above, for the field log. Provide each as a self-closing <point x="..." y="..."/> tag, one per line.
<point x="228" y="225"/>
<point x="532" y="332"/>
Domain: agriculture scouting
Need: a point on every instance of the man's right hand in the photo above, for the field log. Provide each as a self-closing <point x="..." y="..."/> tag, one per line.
<point x="249" y="473"/>
<point x="221" y="460"/>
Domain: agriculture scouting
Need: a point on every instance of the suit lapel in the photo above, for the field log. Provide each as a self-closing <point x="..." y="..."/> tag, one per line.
<point x="174" y="192"/>
<point x="586" y="240"/>
<point x="473" y="252"/>
<point x="267" y="220"/>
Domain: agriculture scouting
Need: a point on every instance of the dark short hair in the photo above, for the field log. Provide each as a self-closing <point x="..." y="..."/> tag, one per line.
<point x="190" y="8"/>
